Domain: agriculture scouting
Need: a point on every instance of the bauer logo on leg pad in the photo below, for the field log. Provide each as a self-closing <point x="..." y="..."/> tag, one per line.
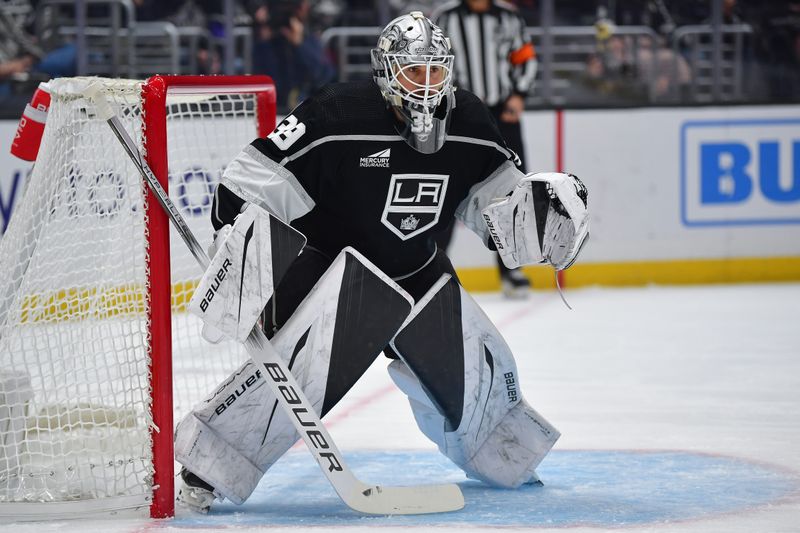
<point x="511" y="387"/>
<point x="212" y="290"/>
<point x="243" y="273"/>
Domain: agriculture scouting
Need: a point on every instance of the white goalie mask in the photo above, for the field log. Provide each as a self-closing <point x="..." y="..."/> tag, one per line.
<point x="413" y="68"/>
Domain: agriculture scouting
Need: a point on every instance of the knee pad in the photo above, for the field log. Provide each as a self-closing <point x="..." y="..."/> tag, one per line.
<point x="461" y="380"/>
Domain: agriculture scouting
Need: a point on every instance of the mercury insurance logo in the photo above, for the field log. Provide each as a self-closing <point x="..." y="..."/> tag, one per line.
<point x="379" y="159"/>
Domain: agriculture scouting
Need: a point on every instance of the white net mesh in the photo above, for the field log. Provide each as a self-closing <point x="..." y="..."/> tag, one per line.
<point x="74" y="379"/>
<point x="228" y="125"/>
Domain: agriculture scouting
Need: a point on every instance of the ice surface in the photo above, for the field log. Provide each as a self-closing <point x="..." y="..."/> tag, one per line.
<point x="679" y="409"/>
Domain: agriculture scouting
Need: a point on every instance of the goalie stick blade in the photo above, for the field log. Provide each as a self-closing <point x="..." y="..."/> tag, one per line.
<point x="425" y="499"/>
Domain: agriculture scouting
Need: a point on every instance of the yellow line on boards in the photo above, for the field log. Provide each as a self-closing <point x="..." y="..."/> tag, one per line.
<point x="96" y="303"/>
<point x="81" y="303"/>
<point x="634" y="273"/>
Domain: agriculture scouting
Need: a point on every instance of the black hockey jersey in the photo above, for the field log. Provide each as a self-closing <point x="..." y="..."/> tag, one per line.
<point x="337" y="169"/>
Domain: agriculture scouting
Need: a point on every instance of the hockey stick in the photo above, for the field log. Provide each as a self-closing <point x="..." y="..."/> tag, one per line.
<point x="369" y="499"/>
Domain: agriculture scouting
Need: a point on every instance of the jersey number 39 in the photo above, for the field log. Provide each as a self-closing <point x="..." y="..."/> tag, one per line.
<point x="287" y="132"/>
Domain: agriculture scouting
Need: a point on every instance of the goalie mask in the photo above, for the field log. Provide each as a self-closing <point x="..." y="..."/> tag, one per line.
<point x="413" y="68"/>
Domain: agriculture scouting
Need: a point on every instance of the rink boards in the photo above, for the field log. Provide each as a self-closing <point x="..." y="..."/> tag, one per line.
<point x="677" y="195"/>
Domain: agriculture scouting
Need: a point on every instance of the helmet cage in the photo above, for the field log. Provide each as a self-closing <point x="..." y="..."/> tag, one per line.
<point x="423" y="99"/>
<point x="403" y="83"/>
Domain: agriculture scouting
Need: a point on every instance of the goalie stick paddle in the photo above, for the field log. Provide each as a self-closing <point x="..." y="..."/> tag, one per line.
<point x="359" y="496"/>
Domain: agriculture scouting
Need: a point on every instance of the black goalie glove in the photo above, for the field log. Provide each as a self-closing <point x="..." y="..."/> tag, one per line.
<point x="543" y="220"/>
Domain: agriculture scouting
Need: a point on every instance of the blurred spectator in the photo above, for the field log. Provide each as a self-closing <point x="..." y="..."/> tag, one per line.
<point x="288" y="51"/>
<point x="178" y="12"/>
<point x="365" y="13"/>
<point x="574" y="12"/>
<point x="778" y="48"/>
<point x="204" y="16"/>
<point x="325" y="13"/>
<point x="730" y="12"/>
<point x="638" y="68"/>
<point x="601" y="83"/>
<point x="401" y="7"/>
<point x="666" y="74"/>
<point x="23" y="60"/>
<point x="529" y="10"/>
<point x="664" y="16"/>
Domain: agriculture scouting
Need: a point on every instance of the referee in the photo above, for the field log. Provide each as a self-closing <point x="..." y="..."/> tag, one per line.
<point x="494" y="60"/>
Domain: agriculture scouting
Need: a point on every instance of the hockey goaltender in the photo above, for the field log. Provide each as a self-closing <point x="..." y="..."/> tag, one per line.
<point x="369" y="172"/>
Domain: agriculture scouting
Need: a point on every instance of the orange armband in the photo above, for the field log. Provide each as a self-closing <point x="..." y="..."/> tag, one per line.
<point x="522" y="54"/>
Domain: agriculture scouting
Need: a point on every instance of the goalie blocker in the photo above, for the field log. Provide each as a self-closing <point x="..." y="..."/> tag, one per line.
<point x="249" y="260"/>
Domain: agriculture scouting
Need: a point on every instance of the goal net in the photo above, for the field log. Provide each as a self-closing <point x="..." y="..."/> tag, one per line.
<point x="97" y="353"/>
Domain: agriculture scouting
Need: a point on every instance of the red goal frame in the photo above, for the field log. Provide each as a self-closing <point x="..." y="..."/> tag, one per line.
<point x="154" y="109"/>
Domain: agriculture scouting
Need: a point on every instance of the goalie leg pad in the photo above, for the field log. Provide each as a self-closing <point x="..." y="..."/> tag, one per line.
<point x="512" y="451"/>
<point x="200" y="449"/>
<point x="427" y="415"/>
<point x="328" y="343"/>
<point x="461" y="380"/>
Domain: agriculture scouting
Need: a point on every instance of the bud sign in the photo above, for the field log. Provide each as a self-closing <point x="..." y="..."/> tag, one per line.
<point x="740" y="172"/>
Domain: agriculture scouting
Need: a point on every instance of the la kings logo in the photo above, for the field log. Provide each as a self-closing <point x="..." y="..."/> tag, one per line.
<point x="379" y="159"/>
<point x="414" y="203"/>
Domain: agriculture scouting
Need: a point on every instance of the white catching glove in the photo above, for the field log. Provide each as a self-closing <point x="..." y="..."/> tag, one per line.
<point x="209" y="332"/>
<point x="543" y="220"/>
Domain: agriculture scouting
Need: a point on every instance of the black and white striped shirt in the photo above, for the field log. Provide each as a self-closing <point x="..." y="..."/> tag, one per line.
<point x="493" y="59"/>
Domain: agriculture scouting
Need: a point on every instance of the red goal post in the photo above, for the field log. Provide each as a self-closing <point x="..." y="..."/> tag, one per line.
<point x="154" y="97"/>
<point x="92" y="295"/>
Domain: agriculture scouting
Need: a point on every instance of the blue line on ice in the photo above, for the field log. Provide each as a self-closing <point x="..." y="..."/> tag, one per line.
<point x="589" y="488"/>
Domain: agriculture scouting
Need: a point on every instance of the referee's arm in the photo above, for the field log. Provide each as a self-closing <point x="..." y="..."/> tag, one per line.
<point x="522" y="60"/>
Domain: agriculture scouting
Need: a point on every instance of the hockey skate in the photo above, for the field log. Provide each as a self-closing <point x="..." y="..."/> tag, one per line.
<point x="195" y="493"/>
<point x="535" y="480"/>
<point x="514" y="283"/>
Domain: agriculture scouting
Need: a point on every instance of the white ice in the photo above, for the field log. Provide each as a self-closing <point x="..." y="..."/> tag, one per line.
<point x="707" y="369"/>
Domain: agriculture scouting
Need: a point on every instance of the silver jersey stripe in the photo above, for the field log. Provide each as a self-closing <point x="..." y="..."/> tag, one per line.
<point x="384" y="138"/>
<point x="256" y="178"/>
<point x="280" y="170"/>
<point x="483" y="142"/>
<point x="333" y="138"/>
